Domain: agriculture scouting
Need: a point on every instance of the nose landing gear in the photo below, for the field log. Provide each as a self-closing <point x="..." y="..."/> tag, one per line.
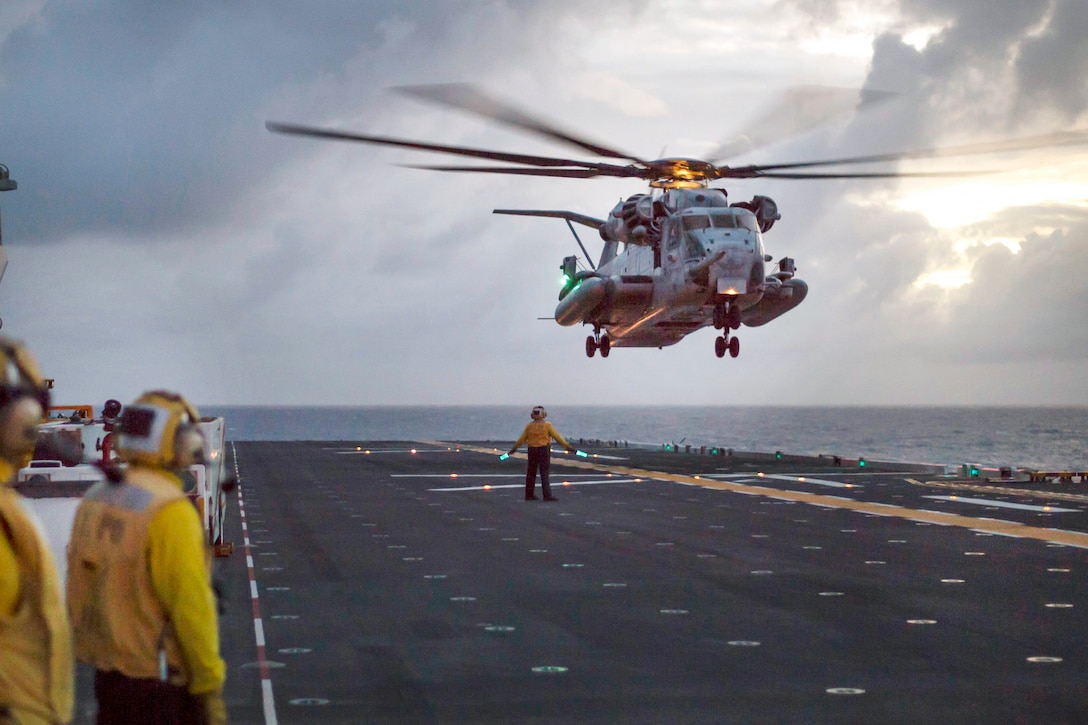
<point x="724" y="343"/>
<point x="726" y="317"/>
<point x="596" y="342"/>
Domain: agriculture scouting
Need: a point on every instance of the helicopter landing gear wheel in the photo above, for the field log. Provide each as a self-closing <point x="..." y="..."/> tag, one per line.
<point x="596" y="342"/>
<point x="725" y="344"/>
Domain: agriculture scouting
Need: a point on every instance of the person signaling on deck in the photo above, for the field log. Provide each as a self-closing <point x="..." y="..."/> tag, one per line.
<point x="539" y="434"/>
<point x="139" y="577"/>
<point x="36" y="667"/>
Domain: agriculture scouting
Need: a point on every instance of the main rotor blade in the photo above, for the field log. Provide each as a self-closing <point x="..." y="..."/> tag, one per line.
<point x="866" y="175"/>
<point x="297" y="130"/>
<point x="575" y="173"/>
<point x="468" y="98"/>
<point x="1026" y="143"/>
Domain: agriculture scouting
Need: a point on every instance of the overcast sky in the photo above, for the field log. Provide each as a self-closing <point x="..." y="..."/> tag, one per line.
<point x="161" y="237"/>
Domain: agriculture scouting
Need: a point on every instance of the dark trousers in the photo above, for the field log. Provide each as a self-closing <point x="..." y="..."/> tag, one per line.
<point x="540" y="458"/>
<point x="129" y="701"/>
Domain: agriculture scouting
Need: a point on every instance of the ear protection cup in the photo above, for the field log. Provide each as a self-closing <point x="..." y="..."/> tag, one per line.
<point x="188" y="446"/>
<point x="19" y="429"/>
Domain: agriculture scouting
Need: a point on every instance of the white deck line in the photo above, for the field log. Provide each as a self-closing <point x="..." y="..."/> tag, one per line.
<point x="1004" y="504"/>
<point x="268" y="700"/>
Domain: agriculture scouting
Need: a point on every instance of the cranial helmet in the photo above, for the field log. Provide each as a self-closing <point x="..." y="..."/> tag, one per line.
<point x="24" y="399"/>
<point x="539" y="413"/>
<point x="160" y="430"/>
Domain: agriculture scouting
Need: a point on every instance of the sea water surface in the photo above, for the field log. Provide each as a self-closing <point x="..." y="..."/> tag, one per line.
<point x="1043" y="438"/>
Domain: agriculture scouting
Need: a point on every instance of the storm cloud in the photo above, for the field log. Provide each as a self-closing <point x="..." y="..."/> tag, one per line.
<point x="160" y="236"/>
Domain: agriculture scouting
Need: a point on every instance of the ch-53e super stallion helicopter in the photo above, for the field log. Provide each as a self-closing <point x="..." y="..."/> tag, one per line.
<point x="677" y="258"/>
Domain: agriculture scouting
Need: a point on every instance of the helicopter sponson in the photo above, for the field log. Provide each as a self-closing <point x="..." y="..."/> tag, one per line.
<point x="601" y="300"/>
<point x="779" y="297"/>
<point x="596" y="297"/>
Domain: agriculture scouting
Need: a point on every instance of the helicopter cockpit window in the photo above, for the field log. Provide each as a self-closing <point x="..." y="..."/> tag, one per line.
<point x="723" y="221"/>
<point x="748" y="221"/>
<point x="693" y="248"/>
<point x="695" y="222"/>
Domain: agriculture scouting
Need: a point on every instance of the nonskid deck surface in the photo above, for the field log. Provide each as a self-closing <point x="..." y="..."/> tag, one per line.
<point x="404" y="587"/>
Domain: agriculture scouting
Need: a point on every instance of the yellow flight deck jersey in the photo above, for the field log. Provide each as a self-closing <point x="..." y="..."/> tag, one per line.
<point x="540" y="433"/>
<point x="36" y="667"/>
<point x="139" y="583"/>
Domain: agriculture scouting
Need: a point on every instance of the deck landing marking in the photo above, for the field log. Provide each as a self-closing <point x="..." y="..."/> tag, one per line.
<point x="475" y="475"/>
<point x="493" y="486"/>
<point x="258" y="665"/>
<point x="1003" y="504"/>
<point x="814" y="481"/>
<point x="1072" y="538"/>
<point x="267" y="699"/>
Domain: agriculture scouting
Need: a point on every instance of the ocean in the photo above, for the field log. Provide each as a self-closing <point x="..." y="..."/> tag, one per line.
<point x="1043" y="438"/>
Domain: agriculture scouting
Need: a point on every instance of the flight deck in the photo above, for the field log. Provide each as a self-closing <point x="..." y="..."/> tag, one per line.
<point x="411" y="582"/>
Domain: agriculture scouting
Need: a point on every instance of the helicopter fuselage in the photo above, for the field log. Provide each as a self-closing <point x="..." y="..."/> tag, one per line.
<point x="676" y="264"/>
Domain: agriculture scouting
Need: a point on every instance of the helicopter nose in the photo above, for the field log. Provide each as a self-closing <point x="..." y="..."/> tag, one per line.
<point x="737" y="274"/>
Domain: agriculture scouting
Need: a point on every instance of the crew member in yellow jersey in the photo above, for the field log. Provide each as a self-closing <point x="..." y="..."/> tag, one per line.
<point x="139" y="577"/>
<point x="539" y="434"/>
<point x="36" y="668"/>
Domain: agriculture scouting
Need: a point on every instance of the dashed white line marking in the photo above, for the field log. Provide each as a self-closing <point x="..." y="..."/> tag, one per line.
<point x="268" y="700"/>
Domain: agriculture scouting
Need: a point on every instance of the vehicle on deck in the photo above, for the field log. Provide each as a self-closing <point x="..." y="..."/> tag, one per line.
<point x="74" y="449"/>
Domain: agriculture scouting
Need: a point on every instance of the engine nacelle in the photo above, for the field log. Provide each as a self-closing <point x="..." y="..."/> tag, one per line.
<point x="765" y="209"/>
<point x="632" y="222"/>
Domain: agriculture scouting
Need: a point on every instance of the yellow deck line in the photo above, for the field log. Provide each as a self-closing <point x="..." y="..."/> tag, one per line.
<point x="1071" y="538"/>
